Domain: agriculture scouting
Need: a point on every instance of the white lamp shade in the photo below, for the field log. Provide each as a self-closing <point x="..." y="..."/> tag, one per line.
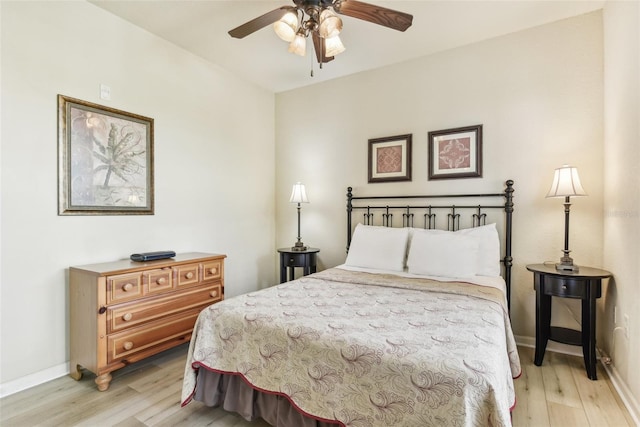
<point x="298" y="194"/>
<point x="566" y="183"/>
<point x="298" y="45"/>
<point x="287" y="26"/>
<point x="330" y="24"/>
<point x="333" y="46"/>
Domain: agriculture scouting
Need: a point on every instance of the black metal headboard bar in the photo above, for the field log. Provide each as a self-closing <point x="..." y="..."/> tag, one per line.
<point x="430" y="196"/>
<point x="452" y="217"/>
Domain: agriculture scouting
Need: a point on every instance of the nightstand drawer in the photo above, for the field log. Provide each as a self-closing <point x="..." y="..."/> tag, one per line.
<point x="296" y="260"/>
<point x="565" y="287"/>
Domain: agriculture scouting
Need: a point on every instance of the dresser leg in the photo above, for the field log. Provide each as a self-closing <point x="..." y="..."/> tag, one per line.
<point x="103" y="381"/>
<point x="75" y="373"/>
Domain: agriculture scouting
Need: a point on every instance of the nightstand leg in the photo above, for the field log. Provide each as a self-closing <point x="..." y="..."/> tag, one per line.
<point x="283" y="270"/>
<point x="589" y="336"/>
<point x="543" y="321"/>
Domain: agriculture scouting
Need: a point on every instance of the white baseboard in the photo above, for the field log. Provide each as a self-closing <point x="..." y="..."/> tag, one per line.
<point x="625" y="394"/>
<point x="33" y="380"/>
<point x="551" y="346"/>
<point x="621" y="387"/>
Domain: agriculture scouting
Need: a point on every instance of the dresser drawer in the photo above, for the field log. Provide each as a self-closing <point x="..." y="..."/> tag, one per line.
<point x="158" y="281"/>
<point x="565" y="287"/>
<point x="126" y="344"/>
<point x="188" y="275"/>
<point x="212" y="270"/>
<point x="124" y="287"/>
<point x="123" y="316"/>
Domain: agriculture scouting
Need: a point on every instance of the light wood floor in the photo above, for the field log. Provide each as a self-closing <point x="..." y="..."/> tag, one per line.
<point x="148" y="394"/>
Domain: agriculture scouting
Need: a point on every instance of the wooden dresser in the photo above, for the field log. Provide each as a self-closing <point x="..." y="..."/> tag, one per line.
<point x="124" y="311"/>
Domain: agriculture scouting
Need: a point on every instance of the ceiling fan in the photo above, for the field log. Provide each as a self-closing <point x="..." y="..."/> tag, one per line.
<point x="319" y="18"/>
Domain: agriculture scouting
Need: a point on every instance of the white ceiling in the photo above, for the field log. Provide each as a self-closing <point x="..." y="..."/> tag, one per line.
<point x="201" y="27"/>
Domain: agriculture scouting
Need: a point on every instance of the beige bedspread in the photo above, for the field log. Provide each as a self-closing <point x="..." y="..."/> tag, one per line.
<point x="367" y="349"/>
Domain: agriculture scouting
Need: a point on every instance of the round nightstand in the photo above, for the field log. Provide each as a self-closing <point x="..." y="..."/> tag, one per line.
<point x="586" y="285"/>
<point x="290" y="259"/>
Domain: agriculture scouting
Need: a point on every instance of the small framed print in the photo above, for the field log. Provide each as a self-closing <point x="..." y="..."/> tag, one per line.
<point x="390" y="158"/>
<point x="455" y="153"/>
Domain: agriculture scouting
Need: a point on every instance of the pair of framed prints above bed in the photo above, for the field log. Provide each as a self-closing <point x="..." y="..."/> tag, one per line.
<point x="453" y="153"/>
<point x="360" y="346"/>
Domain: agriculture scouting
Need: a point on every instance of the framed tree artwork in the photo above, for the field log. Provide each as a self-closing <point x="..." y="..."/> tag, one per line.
<point x="455" y="153"/>
<point x="105" y="160"/>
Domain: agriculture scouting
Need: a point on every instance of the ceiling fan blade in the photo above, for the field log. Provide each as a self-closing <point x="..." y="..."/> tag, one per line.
<point x="259" y="22"/>
<point x="318" y="45"/>
<point x="378" y="15"/>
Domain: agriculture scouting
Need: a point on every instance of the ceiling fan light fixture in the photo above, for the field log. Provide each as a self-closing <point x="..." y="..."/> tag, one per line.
<point x="330" y="24"/>
<point x="287" y="26"/>
<point x="333" y="46"/>
<point x="299" y="44"/>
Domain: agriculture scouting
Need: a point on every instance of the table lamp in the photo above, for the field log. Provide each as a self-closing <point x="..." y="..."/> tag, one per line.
<point x="298" y="195"/>
<point x="566" y="183"/>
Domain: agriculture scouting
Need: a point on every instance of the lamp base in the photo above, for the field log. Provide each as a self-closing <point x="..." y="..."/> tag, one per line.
<point x="299" y="246"/>
<point x="566" y="262"/>
<point x="567" y="267"/>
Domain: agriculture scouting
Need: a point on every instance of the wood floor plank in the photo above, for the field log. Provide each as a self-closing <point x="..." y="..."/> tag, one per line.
<point x="563" y="415"/>
<point x="531" y="403"/>
<point x="168" y="405"/>
<point x="558" y="380"/>
<point x="11" y="407"/>
<point x="599" y="403"/>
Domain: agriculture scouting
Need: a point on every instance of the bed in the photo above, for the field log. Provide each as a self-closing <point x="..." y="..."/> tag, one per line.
<point x="413" y="329"/>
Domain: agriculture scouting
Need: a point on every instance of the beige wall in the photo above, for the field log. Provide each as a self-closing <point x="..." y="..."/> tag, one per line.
<point x="538" y="94"/>
<point x="622" y="190"/>
<point x="214" y="174"/>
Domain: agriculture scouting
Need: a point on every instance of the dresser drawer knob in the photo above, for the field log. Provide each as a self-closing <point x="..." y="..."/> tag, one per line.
<point x="564" y="287"/>
<point x="127" y="287"/>
<point x="213" y="270"/>
<point x="213" y="294"/>
<point x="189" y="275"/>
<point x="127" y="317"/>
<point x="161" y="281"/>
<point x="128" y="345"/>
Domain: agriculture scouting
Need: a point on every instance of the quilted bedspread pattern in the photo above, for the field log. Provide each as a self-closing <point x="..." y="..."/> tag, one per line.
<point x="367" y="349"/>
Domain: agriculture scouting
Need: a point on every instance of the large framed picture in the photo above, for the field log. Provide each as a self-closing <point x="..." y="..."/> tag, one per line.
<point x="105" y="160"/>
<point x="455" y="153"/>
<point x="390" y="158"/>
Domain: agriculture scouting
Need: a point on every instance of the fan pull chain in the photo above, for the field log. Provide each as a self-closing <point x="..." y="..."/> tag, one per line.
<point x="311" y="58"/>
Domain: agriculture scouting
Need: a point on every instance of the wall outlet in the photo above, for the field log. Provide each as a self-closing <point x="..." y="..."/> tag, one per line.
<point x="626" y="326"/>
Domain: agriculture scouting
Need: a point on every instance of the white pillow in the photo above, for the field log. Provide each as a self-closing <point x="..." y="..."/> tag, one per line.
<point x="382" y="248"/>
<point x="489" y="250"/>
<point x="443" y="254"/>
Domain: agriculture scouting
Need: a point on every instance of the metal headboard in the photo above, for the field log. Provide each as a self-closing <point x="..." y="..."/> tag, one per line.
<point x="418" y="206"/>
